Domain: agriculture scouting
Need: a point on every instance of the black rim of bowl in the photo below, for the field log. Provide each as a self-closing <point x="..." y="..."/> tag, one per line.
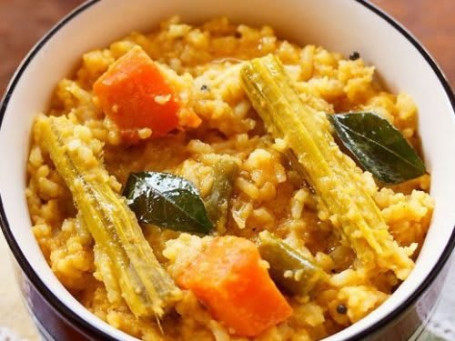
<point x="83" y="325"/>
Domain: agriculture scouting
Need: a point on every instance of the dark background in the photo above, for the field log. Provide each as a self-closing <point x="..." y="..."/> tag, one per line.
<point x="23" y="22"/>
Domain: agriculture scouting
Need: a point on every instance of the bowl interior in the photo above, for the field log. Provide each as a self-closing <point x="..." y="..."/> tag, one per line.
<point x="338" y="25"/>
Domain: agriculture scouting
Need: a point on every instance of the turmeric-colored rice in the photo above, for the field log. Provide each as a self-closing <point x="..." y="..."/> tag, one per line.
<point x="203" y="63"/>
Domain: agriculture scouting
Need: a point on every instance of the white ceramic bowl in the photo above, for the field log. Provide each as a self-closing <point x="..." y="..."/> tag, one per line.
<point x="338" y="25"/>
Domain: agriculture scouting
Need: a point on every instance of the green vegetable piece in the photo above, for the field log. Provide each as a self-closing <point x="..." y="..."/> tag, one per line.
<point x="288" y="267"/>
<point x="378" y="146"/>
<point x="121" y="247"/>
<point x="103" y="263"/>
<point x="166" y="200"/>
<point x="106" y="271"/>
<point x="335" y="179"/>
<point x="217" y="201"/>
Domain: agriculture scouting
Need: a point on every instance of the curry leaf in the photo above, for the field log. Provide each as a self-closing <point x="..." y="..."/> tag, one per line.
<point x="167" y="201"/>
<point x="378" y="146"/>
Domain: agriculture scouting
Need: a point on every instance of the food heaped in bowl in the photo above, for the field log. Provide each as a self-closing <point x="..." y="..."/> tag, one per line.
<point x="199" y="182"/>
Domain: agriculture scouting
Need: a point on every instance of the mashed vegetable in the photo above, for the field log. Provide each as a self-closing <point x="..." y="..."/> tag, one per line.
<point x="201" y="65"/>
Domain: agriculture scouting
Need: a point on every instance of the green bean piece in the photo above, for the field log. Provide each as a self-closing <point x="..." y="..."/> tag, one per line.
<point x="217" y="201"/>
<point x="290" y="269"/>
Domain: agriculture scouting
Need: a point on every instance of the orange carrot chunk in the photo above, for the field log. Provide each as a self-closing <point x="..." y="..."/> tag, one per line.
<point x="134" y="94"/>
<point x="229" y="279"/>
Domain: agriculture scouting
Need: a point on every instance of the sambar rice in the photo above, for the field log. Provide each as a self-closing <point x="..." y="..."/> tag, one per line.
<point x="202" y="65"/>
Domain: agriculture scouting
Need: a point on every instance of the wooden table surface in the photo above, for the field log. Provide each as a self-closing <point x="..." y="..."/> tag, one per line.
<point x="23" y="22"/>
